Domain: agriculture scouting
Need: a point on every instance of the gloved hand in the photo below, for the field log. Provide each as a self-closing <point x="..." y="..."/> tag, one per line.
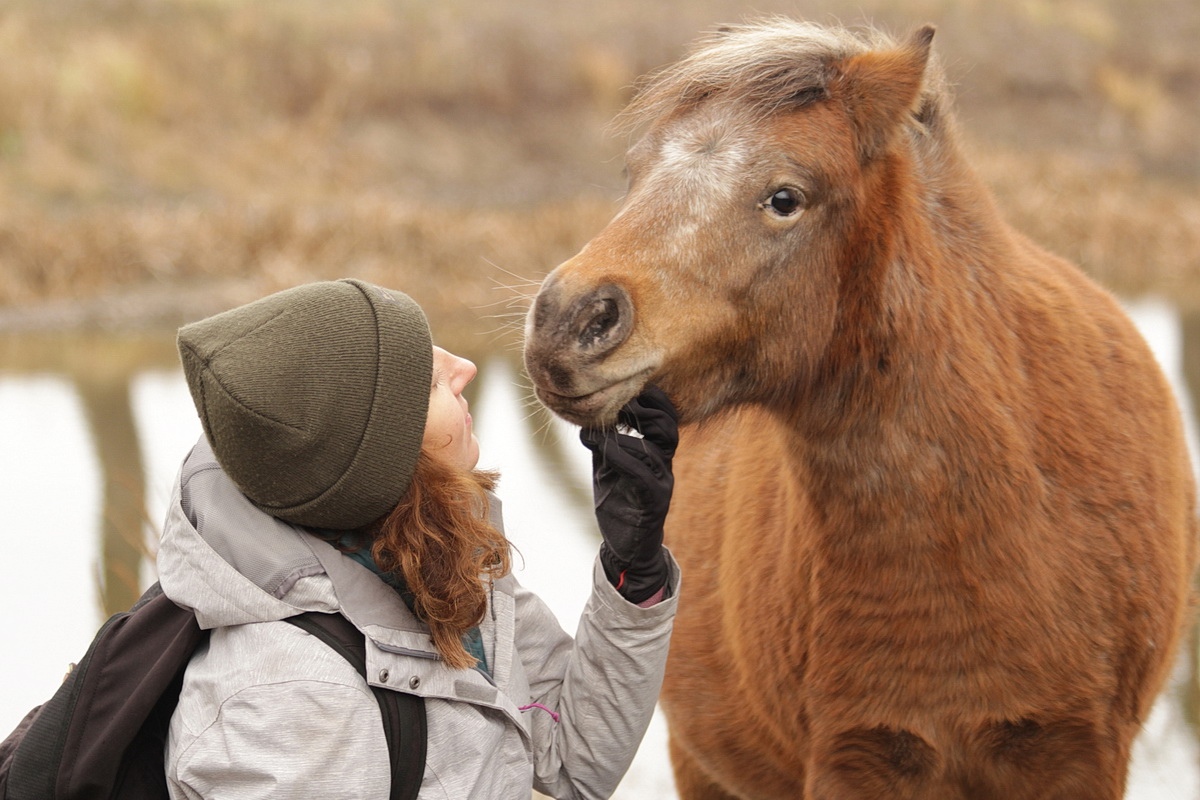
<point x="632" y="483"/>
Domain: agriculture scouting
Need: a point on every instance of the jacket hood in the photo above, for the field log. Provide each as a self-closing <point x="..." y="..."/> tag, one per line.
<point x="232" y="563"/>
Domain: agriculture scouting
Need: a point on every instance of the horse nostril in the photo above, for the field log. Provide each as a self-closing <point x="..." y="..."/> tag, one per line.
<point x="603" y="320"/>
<point x="604" y="316"/>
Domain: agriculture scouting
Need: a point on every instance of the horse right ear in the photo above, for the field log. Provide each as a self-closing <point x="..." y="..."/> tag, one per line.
<point x="880" y="88"/>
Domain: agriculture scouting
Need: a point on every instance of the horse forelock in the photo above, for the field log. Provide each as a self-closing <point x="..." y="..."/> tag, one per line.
<point x="764" y="66"/>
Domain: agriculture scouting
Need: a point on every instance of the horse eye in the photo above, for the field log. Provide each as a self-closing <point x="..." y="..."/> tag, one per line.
<point x="786" y="202"/>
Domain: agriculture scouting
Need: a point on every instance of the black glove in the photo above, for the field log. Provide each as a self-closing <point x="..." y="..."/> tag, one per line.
<point x="631" y="483"/>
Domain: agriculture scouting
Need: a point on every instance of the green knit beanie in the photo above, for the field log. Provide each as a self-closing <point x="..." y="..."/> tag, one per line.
<point x="314" y="398"/>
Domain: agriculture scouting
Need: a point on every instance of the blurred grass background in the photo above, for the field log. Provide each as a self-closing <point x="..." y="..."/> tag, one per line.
<point x="164" y="159"/>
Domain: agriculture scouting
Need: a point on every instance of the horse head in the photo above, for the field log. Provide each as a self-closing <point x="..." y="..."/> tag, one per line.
<point x="756" y="200"/>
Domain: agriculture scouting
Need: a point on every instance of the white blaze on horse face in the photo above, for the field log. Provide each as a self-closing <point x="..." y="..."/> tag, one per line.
<point x="695" y="176"/>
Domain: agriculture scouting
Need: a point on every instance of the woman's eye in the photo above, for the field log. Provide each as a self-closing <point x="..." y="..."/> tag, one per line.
<point x="785" y="202"/>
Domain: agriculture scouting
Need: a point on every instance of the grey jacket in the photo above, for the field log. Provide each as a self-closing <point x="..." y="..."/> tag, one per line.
<point x="268" y="711"/>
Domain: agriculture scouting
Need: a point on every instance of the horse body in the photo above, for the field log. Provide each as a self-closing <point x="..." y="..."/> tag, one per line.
<point x="933" y="507"/>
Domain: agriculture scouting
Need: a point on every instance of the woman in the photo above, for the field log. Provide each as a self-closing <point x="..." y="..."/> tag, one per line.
<point x="336" y="474"/>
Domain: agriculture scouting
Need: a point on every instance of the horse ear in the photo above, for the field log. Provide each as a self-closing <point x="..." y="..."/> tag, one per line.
<point x="879" y="88"/>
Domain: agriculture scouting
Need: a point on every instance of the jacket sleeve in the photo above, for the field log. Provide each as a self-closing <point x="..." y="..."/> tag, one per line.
<point x="603" y="685"/>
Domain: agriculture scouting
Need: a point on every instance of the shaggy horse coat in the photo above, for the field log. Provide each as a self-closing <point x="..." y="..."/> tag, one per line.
<point x="933" y="506"/>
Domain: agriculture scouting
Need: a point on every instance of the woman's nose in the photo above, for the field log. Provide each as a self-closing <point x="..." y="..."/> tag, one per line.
<point x="466" y="371"/>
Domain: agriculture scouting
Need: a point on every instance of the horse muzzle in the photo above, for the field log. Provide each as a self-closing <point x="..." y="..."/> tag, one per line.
<point x="571" y="345"/>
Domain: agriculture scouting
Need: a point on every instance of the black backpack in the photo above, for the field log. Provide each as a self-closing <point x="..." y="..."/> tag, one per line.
<point x="102" y="735"/>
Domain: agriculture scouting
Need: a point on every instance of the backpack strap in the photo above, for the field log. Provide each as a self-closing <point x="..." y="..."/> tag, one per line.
<point x="403" y="714"/>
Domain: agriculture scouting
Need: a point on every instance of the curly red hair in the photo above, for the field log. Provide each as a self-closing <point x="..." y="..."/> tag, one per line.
<point x="439" y="539"/>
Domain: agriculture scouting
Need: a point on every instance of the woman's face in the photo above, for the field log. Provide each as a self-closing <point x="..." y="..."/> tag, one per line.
<point x="449" y="436"/>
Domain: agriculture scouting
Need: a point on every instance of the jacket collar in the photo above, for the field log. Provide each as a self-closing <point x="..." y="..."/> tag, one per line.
<point x="233" y="563"/>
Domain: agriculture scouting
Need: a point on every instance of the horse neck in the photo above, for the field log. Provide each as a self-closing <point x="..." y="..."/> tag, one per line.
<point x="909" y="411"/>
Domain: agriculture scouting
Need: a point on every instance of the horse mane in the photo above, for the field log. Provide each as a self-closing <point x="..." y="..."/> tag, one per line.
<point x="767" y="66"/>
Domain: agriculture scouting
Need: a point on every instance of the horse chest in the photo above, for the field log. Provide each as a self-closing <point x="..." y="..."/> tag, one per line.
<point x="936" y="632"/>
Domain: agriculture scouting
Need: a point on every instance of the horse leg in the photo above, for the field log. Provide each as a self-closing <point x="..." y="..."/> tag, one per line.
<point x="692" y="781"/>
<point x="873" y="762"/>
<point x="1052" y="759"/>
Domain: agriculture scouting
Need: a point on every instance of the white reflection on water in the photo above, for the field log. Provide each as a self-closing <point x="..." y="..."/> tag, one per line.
<point x="49" y="501"/>
<point x="49" y="507"/>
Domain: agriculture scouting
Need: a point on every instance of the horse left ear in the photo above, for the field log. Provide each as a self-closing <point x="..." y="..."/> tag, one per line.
<point x="881" y="87"/>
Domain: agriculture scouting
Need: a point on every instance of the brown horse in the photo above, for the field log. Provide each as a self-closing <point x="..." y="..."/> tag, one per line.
<point x="933" y="506"/>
